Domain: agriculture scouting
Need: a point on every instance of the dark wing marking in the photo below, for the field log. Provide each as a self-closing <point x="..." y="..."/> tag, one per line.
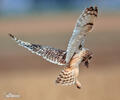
<point x="83" y="26"/>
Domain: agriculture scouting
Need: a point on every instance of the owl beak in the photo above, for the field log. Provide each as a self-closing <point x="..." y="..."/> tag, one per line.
<point x="86" y="64"/>
<point x="86" y="61"/>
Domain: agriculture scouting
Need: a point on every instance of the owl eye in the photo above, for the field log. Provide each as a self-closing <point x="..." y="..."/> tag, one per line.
<point x="90" y="57"/>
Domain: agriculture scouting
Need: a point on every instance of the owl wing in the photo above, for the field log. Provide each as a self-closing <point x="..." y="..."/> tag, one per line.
<point x="83" y="26"/>
<point x="52" y="55"/>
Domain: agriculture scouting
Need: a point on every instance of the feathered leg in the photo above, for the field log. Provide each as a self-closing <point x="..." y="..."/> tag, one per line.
<point x="78" y="84"/>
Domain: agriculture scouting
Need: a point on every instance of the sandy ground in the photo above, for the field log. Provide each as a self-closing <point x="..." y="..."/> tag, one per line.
<point x="32" y="78"/>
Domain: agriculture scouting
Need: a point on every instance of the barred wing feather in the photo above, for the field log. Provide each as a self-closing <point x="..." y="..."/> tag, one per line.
<point x="52" y="55"/>
<point x="83" y="26"/>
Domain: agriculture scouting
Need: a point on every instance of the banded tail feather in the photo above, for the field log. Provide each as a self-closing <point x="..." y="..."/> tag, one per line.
<point x="68" y="77"/>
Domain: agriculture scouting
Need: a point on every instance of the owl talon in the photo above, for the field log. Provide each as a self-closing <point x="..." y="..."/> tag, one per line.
<point x="78" y="87"/>
<point x="78" y="84"/>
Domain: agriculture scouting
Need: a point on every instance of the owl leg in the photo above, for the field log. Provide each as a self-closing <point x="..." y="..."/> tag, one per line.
<point x="78" y="84"/>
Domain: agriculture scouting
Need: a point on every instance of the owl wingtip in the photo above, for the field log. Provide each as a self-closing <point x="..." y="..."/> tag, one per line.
<point x="12" y="36"/>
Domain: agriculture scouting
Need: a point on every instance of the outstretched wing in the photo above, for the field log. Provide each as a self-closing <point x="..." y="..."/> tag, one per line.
<point x="53" y="55"/>
<point x="83" y="26"/>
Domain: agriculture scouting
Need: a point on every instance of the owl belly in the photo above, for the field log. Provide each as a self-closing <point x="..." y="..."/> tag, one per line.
<point x="74" y="63"/>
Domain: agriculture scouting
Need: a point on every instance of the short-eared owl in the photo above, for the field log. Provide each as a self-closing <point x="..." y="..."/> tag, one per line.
<point x="75" y="53"/>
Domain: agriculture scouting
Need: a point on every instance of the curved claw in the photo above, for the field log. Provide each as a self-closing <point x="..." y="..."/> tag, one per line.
<point x="78" y="84"/>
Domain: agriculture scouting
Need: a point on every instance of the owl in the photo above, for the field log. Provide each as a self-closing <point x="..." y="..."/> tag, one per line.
<point x="74" y="55"/>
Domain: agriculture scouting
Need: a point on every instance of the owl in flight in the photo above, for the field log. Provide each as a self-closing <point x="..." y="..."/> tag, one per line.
<point x="75" y="54"/>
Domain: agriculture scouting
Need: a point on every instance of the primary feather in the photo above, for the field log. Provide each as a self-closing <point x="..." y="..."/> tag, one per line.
<point x="52" y="55"/>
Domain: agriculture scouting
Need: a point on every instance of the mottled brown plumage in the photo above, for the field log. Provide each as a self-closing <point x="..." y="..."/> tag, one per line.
<point x="75" y="53"/>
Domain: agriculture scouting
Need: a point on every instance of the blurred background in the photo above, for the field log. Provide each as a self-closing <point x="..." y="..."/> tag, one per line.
<point x="51" y="22"/>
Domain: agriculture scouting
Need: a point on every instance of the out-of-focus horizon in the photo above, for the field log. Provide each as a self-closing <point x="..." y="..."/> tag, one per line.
<point x="17" y="7"/>
<point x="51" y="22"/>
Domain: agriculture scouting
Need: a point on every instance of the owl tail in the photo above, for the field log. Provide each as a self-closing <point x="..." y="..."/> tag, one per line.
<point x="68" y="77"/>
